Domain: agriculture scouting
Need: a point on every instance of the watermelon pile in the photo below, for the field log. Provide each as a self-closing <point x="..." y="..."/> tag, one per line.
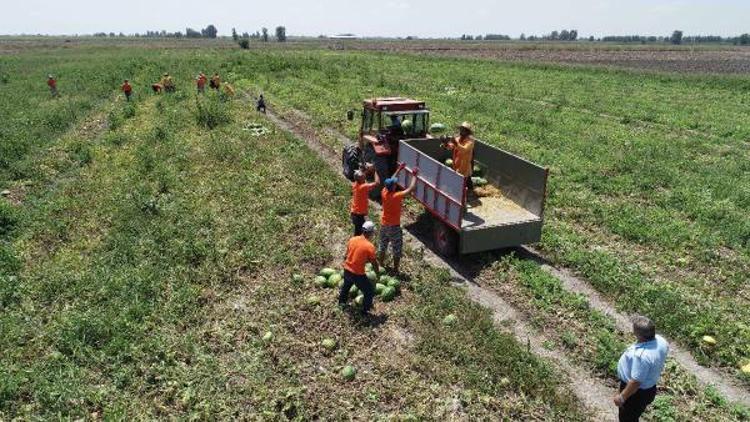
<point x="386" y="287"/>
<point x="479" y="181"/>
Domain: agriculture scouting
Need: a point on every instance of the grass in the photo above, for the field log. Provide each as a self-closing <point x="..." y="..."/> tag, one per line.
<point x="151" y="255"/>
<point x="647" y="194"/>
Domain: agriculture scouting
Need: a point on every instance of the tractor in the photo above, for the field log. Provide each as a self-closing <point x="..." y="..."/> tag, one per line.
<point x="385" y="122"/>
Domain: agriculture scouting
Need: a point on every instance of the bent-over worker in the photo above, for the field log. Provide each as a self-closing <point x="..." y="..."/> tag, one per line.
<point x="52" y="84"/>
<point x="391" y="232"/>
<point x="167" y="83"/>
<point x="200" y="82"/>
<point x="127" y="89"/>
<point x="215" y="82"/>
<point x="359" y="251"/>
<point x="639" y="369"/>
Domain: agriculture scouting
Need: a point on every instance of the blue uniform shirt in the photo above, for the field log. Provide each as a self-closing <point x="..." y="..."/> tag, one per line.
<point x="643" y="362"/>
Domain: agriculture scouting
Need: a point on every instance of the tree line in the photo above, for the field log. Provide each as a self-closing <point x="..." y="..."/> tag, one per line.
<point x="677" y="37"/>
<point x="209" y="31"/>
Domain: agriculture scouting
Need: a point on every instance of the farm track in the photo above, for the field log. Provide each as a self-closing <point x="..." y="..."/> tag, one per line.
<point x="590" y="390"/>
<point x="504" y="313"/>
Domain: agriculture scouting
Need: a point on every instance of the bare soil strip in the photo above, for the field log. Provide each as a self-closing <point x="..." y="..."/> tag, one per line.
<point x="587" y="388"/>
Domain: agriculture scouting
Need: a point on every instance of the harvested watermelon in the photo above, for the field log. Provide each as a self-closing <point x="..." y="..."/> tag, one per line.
<point x="321" y="281"/>
<point x="437" y="129"/>
<point x="392" y="282"/>
<point x="359" y="300"/>
<point x="313" y="300"/>
<point x="389" y="293"/>
<point x="335" y="278"/>
<point x="449" y="163"/>
<point x="379" y="288"/>
<point x="327" y="272"/>
<point x="268" y="337"/>
<point x="371" y="276"/>
<point x="407" y="126"/>
<point x="328" y="344"/>
<point x="479" y="181"/>
<point x="478" y="171"/>
<point x="297" y="278"/>
<point x="450" y="319"/>
<point x="354" y="291"/>
<point x="348" y="373"/>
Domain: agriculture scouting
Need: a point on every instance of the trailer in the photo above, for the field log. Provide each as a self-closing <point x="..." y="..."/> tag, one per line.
<point x="467" y="224"/>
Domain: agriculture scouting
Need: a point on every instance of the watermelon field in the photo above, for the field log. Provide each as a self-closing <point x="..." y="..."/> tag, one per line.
<point x="158" y="258"/>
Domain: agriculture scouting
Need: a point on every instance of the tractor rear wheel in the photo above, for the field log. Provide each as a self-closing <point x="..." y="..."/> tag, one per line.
<point x="350" y="160"/>
<point x="445" y="239"/>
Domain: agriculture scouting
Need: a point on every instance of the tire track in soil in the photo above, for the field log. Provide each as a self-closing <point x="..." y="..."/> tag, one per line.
<point x="589" y="390"/>
<point x="731" y="389"/>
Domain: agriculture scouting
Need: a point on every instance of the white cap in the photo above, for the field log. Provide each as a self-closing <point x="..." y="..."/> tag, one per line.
<point x="368" y="227"/>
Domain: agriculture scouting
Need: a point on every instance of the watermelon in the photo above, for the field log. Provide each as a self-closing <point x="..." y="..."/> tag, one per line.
<point x="407" y="126"/>
<point x="354" y="291"/>
<point x="709" y="341"/>
<point x="477" y="170"/>
<point x="321" y="281"/>
<point x="268" y="337"/>
<point x="335" y="278"/>
<point x="368" y="266"/>
<point x="359" y="300"/>
<point x="372" y="276"/>
<point x="328" y="344"/>
<point x="332" y="283"/>
<point x="384" y="279"/>
<point x="437" y="128"/>
<point x="379" y="288"/>
<point x="389" y="293"/>
<point x="745" y="369"/>
<point x="313" y="300"/>
<point x="348" y="373"/>
<point x="392" y="282"/>
<point x="450" y="319"/>
<point x="297" y="278"/>
<point x="449" y="163"/>
<point x="479" y="181"/>
<point x="327" y="272"/>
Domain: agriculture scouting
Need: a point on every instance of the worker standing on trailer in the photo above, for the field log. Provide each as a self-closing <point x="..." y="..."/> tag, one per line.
<point x="359" y="251"/>
<point x="390" y="230"/>
<point x="463" y="152"/>
<point x="360" y="196"/>
<point x="127" y="89"/>
<point x="52" y="84"/>
<point x="639" y="369"/>
<point x="215" y="82"/>
<point x="200" y="82"/>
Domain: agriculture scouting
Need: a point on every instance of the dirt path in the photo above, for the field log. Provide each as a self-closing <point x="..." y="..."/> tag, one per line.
<point x="589" y="390"/>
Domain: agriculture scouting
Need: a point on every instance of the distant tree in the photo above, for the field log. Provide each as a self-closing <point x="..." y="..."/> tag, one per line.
<point x="522" y="37"/>
<point x="121" y="34"/>
<point x="235" y="37"/>
<point x="676" y="38"/>
<point x="281" y="34"/>
<point x="564" y="35"/>
<point x="478" y="38"/>
<point x="245" y="35"/>
<point x="244" y="43"/>
<point x="573" y="36"/>
<point x="209" y="32"/>
<point x="554" y="36"/>
<point x="192" y="33"/>
<point x="265" y="34"/>
<point x="744" y="39"/>
<point x="591" y="38"/>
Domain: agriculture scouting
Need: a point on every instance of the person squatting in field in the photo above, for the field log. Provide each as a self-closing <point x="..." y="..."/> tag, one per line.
<point x="360" y="196"/>
<point x="359" y="251"/>
<point x="390" y="230"/>
<point x="127" y="89"/>
<point x="639" y="369"/>
<point x="463" y="152"/>
<point x="52" y="84"/>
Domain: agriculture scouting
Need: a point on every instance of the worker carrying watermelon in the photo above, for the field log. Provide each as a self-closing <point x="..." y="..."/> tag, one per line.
<point x="127" y="89"/>
<point x="52" y="84"/>
<point x="359" y="251"/>
<point x="391" y="232"/>
<point x="360" y="196"/>
<point x="200" y="82"/>
<point x="463" y="152"/>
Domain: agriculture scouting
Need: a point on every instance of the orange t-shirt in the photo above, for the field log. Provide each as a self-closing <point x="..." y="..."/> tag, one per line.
<point x="391" y="207"/>
<point x="359" y="251"/>
<point x="463" y="153"/>
<point x="360" y="201"/>
<point x="126" y="88"/>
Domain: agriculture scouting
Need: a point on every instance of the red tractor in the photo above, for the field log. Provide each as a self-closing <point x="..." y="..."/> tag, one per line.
<point x="385" y="122"/>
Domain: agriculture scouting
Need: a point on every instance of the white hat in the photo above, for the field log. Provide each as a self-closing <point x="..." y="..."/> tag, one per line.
<point x="368" y="227"/>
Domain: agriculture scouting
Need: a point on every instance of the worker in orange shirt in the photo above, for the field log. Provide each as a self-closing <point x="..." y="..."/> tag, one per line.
<point x="127" y="89"/>
<point x="390" y="232"/>
<point x="463" y="152"/>
<point x="359" y="251"/>
<point x="215" y="82"/>
<point x="200" y="82"/>
<point x="52" y="84"/>
<point x="360" y="196"/>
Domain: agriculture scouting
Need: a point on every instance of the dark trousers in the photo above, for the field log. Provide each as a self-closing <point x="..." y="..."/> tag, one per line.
<point x="636" y="404"/>
<point x="127" y="96"/>
<point x="358" y="220"/>
<point x="364" y="286"/>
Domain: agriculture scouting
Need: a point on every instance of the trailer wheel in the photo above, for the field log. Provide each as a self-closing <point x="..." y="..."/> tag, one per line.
<point x="350" y="161"/>
<point x="445" y="239"/>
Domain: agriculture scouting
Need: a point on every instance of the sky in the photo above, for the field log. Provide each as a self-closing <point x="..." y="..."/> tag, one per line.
<point x="392" y="18"/>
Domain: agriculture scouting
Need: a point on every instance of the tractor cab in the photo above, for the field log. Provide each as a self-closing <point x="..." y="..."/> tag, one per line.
<point x="385" y="122"/>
